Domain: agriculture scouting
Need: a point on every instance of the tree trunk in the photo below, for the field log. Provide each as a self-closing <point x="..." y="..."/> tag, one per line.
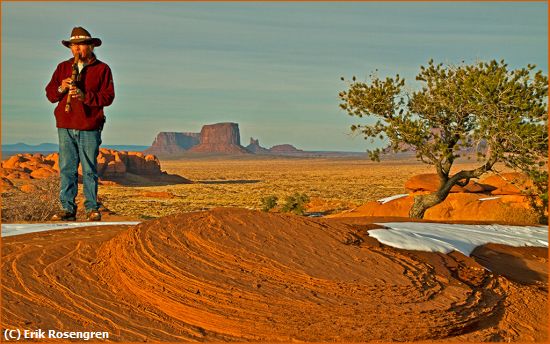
<point x="424" y="202"/>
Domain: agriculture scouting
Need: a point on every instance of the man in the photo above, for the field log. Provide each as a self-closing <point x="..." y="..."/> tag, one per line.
<point x="79" y="119"/>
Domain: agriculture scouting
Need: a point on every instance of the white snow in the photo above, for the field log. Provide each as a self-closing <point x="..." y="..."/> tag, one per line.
<point x="391" y="198"/>
<point x="489" y="198"/>
<point x="10" y="229"/>
<point x="444" y="238"/>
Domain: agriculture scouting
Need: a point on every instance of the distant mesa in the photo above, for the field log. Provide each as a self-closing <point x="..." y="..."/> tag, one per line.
<point x="255" y="148"/>
<point x="285" y="149"/>
<point x="224" y="138"/>
<point x="167" y="143"/>
<point x="220" y="138"/>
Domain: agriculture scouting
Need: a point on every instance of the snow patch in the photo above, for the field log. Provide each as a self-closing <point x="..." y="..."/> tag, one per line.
<point x="10" y="229"/>
<point x="489" y="198"/>
<point x="391" y="198"/>
<point x="444" y="238"/>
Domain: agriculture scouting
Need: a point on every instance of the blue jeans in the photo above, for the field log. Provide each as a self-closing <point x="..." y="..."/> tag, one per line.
<point x="78" y="146"/>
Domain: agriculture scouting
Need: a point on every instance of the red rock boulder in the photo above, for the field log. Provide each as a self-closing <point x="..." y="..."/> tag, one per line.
<point x="512" y="183"/>
<point x="457" y="207"/>
<point x="43" y="172"/>
<point x="112" y="164"/>
<point x="54" y="160"/>
<point x="6" y="184"/>
<point x="429" y="182"/>
<point x="14" y="162"/>
<point x="138" y="163"/>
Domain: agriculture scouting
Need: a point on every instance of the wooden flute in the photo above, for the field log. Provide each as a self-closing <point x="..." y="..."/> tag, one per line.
<point x="74" y="76"/>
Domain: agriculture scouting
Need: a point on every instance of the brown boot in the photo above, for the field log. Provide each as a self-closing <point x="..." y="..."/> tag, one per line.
<point x="63" y="215"/>
<point x="93" y="215"/>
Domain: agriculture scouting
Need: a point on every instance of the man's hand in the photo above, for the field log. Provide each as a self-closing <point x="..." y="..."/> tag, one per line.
<point x="66" y="84"/>
<point x="75" y="92"/>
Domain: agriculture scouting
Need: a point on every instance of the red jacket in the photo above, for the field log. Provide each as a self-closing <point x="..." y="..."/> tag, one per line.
<point x="96" y="81"/>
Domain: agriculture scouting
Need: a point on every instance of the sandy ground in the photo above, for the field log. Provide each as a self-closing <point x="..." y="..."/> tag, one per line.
<point x="239" y="275"/>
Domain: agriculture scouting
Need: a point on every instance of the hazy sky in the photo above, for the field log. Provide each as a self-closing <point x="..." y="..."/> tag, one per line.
<point x="274" y="68"/>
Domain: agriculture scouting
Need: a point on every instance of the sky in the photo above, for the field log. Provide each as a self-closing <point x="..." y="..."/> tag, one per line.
<point x="272" y="67"/>
<point x="418" y="236"/>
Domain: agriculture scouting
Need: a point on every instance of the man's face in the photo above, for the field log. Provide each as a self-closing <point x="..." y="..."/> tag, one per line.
<point x="84" y="51"/>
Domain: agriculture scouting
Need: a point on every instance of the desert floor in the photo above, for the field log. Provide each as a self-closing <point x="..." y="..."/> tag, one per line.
<point x="332" y="184"/>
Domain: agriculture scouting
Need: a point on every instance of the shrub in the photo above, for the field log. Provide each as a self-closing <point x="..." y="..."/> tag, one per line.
<point x="538" y="193"/>
<point x="38" y="205"/>
<point x="296" y="203"/>
<point x="269" y="202"/>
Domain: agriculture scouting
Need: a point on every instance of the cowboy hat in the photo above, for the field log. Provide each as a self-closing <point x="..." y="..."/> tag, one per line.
<point x="80" y="35"/>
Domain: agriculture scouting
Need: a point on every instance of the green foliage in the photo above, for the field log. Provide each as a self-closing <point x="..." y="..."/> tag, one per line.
<point x="295" y="203"/>
<point x="538" y="193"/>
<point x="269" y="202"/>
<point x="498" y="113"/>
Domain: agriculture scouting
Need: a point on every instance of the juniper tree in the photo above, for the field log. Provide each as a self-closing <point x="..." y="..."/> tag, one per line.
<point x="499" y="113"/>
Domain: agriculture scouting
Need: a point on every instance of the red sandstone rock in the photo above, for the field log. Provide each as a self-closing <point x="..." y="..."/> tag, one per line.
<point x="111" y="164"/>
<point x="28" y="188"/>
<point x="396" y="208"/>
<point x="137" y="163"/>
<point x="43" y="172"/>
<point x="466" y="207"/>
<point x="220" y="138"/>
<point x="512" y="183"/>
<point x="254" y="147"/>
<point x="114" y="168"/>
<point x="114" y="163"/>
<point x="284" y="148"/>
<point x="14" y="161"/>
<point x="54" y="160"/>
<point x="5" y="184"/>
<point x="456" y="207"/>
<point x="430" y="182"/>
<point x="168" y="143"/>
<point x="14" y="174"/>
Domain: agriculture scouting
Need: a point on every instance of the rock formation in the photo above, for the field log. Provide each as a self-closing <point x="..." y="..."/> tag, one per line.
<point x="220" y="138"/>
<point x="112" y="165"/>
<point x="497" y="198"/>
<point x="430" y="182"/>
<point x="285" y="149"/>
<point x="29" y="166"/>
<point x="167" y="143"/>
<point x="235" y="275"/>
<point x="508" y="183"/>
<point x="255" y="148"/>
